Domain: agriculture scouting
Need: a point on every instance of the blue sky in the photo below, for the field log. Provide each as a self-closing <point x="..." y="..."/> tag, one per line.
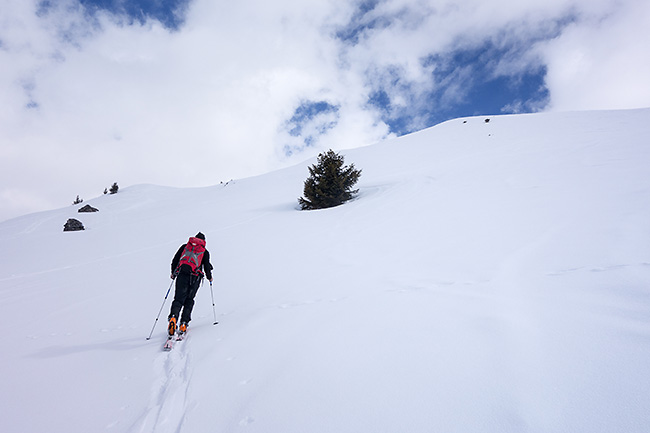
<point x="119" y="86"/>
<point x="170" y="13"/>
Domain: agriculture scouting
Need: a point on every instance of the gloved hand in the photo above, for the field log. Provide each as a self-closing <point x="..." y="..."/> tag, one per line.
<point x="173" y="276"/>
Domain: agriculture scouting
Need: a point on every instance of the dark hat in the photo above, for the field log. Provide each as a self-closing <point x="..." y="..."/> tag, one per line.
<point x="200" y="235"/>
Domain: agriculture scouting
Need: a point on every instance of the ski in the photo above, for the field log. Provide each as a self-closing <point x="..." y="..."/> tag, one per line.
<point x="168" y="344"/>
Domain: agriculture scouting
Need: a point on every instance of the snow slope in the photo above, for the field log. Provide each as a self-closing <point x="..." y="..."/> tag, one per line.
<point x="490" y="277"/>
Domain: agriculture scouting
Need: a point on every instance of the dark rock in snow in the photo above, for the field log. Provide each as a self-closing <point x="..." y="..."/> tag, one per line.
<point x="88" y="208"/>
<point x="73" y="225"/>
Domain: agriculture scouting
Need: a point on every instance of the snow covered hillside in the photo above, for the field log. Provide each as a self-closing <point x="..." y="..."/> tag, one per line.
<point x="490" y="277"/>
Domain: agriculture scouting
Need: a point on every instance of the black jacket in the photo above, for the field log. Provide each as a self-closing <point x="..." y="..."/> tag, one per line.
<point x="205" y="263"/>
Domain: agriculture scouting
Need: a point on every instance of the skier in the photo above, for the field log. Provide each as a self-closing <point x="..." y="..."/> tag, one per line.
<point x="188" y="265"/>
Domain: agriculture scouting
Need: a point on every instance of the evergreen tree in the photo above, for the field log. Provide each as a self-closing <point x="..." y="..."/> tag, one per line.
<point x="114" y="188"/>
<point x="329" y="183"/>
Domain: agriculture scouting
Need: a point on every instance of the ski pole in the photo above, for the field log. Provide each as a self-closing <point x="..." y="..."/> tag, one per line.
<point x="214" y="312"/>
<point x="161" y="308"/>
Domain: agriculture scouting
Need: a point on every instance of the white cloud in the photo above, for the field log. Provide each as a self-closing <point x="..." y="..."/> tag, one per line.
<point x="602" y="62"/>
<point x="89" y="100"/>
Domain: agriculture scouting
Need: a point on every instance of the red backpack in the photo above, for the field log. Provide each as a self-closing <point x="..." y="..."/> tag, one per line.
<point x="193" y="255"/>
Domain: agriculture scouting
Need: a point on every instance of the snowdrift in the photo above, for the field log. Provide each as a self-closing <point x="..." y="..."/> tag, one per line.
<point x="489" y="277"/>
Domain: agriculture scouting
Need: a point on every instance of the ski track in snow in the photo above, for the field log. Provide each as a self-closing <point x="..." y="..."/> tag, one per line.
<point x="169" y="396"/>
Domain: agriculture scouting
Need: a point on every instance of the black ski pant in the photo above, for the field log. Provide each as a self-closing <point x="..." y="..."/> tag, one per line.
<point x="186" y="287"/>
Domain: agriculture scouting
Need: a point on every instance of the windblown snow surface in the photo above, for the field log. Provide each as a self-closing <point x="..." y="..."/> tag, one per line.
<point x="489" y="277"/>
